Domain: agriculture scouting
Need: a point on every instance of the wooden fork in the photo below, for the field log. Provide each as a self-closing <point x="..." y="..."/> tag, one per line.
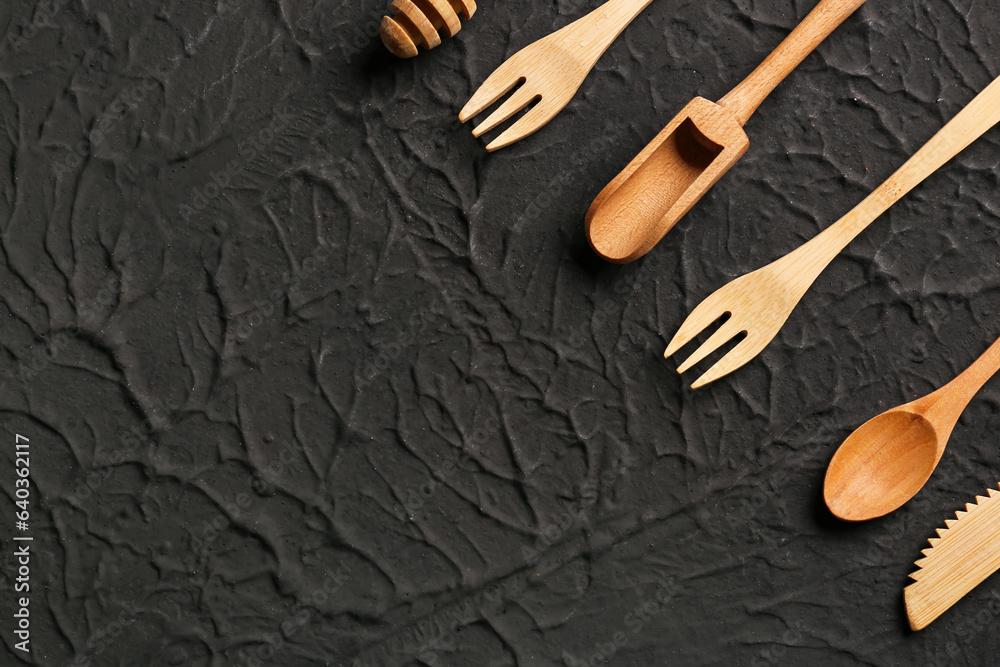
<point x="551" y="70"/>
<point x="760" y="302"/>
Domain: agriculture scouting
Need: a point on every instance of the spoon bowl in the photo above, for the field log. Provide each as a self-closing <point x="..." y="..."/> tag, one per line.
<point x="881" y="466"/>
<point x="890" y="457"/>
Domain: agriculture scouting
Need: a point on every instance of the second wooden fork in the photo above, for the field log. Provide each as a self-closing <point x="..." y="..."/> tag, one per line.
<point x="760" y="302"/>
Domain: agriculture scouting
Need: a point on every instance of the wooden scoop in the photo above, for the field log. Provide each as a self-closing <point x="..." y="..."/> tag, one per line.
<point x="635" y="210"/>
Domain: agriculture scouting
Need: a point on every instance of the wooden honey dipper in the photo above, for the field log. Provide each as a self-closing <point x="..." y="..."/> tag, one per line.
<point x="417" y="22"/>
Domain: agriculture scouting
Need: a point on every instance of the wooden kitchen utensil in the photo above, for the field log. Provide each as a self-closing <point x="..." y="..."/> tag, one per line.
<point x="760" y="302"/>
<point x="551" y="70"/>
<point x="417" y="22"/>
<point x="635" y="210"/>
<point x="963" y="556"/>
<point x="885" y="462"/>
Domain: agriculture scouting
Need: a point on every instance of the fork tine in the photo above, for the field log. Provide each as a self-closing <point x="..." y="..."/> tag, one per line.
<point x="739" y="355"/>
<point x="497" y="84"/>
<point x="530" y="122"/>
<point x="700" y="317"/>
<point x="726" y="332"/>
<point x="521" y="97"/>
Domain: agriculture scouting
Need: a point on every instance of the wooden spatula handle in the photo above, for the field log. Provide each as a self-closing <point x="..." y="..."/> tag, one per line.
<point x="821" y="21"/>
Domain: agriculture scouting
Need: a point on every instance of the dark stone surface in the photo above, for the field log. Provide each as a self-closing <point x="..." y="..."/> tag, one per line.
<point x="303" y="366"/>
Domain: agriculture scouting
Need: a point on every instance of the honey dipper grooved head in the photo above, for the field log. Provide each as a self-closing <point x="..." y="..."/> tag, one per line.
<point x="417" y="23"/>
<point x="396" y="39"/>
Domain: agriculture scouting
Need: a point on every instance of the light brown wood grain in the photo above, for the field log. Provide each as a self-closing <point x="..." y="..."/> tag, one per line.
<point x="760" y="302"/>
<point x="418" y="22"/>
<point x="633" y="212"/>
<point x="548" y="71"/>
<point x="963" y="556"/>
<point x="744" y="100"/>
<point x="889" y="459"/>
<point x="658" y="187"/>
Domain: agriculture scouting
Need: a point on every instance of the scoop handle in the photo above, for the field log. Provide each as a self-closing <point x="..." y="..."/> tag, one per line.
<point x="743" y="100"/>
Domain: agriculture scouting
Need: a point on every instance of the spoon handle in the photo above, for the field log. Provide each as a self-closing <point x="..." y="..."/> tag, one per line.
<point x="821" y="21"/>
<point x="952" y="398"/>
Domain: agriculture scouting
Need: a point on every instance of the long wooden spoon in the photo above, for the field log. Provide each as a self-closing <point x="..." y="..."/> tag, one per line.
<point x="885" y="462"/>
<point x="635" y="210"/>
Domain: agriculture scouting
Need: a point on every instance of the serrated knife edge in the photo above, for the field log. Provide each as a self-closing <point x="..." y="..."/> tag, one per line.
<point x="966" y="554"/>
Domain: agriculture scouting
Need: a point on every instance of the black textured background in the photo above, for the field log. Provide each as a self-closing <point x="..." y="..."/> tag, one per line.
<point x="312" y="379"/>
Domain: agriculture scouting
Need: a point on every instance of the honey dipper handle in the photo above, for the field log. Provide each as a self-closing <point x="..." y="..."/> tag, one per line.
<point x="743" y="100"/>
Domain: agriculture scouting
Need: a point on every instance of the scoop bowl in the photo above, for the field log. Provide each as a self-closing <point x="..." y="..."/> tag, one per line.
<point x="661" y="184"/>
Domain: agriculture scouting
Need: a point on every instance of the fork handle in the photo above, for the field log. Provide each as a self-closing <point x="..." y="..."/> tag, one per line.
<point x="599" y="28"/>
<point x="972" y="122"/>
<point x="743" y="100"/>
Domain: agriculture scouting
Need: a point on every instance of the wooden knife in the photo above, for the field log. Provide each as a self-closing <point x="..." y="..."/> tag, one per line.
<point x="964" y="554"/>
